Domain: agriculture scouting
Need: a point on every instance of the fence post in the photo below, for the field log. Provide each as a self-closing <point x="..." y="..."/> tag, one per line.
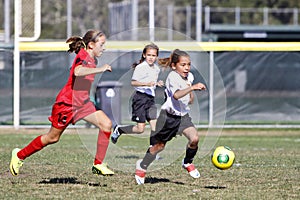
<point x="16" y="94"/>
<point x="134" y="19"/>
<point x="170" y="22"/>
<point x="188" y="22"/>
<point x="6" y="21"/>
<point x="199" y="20"/>
<point x="207" y="17"/>
<point x="211" y="89"/>
<point x="151" y="20"/>
<point x="295" y="16"/>
<point x="266" y="17"/>
<point x="69" y="18"/>
<point x="237" y="15"/>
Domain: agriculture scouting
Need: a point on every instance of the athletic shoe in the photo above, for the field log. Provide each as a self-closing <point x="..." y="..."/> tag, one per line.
<point x="115" y="135"/>
<point x="102" y="169"/>
<point x="190" y="167"/>
<point x="158" y="157"/>
<point x="140" y="173"/>
<point x="15" y="162"/>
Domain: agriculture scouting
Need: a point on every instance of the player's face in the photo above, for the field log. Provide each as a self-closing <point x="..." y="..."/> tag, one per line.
<point x="150" y="56"/>
<point x="99" y="46"/>
<point x="183" y="67"/>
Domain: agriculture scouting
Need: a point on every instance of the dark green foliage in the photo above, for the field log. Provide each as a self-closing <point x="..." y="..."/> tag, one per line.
<point x="91" y="14"/>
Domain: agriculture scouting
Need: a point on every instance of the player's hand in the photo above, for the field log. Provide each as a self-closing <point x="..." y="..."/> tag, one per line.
<point x="151" y="84"/>
<point x="107" y="67"/>
<point x="199" y="86"/>
<point x="160" y="83"/>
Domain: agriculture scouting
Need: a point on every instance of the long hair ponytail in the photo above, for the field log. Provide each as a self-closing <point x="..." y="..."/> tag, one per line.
<point x="76" y="42"/>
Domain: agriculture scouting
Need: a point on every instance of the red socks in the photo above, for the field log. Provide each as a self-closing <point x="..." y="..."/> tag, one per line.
<point x="102" y="145"/>
<point x="34" y="146"/>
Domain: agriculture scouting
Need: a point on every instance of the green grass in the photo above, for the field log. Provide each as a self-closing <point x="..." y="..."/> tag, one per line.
<point x="267" y="167"/>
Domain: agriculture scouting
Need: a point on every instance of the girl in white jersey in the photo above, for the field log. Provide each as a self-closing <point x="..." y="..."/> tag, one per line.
<point x="174" y="118"/>
<point x="144" y="80"/>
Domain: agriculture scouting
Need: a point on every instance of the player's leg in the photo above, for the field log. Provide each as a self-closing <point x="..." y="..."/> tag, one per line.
<point x="142" y="164"/>
<point x="127" y="129"/>
<point x="101" y="120"/>
<point x="138" y="116"/>
<point x="151" y="153"/>
<point x="152" y="124"/>
<point x="19" y="155"/>
<point x="132" y="129"/>
<point x="191" y="150"/>
<point x="60" y="117"/>
<point x="151" y="114"/>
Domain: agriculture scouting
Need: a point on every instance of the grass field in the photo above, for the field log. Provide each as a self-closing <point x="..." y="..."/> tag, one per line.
<point x="267" y="167"/>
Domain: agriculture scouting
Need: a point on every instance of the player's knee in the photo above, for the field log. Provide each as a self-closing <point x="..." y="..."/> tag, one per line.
<point x="193" y="143"/>
<point x="140" y="128"/>
<point x="160" y="147"/>
<point x="106" y="126"/>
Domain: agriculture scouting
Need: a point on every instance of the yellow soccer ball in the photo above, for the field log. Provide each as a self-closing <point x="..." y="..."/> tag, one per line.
<point x="222" y="157"/>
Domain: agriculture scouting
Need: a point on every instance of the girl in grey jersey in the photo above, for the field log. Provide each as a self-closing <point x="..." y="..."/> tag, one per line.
<point x="174" y="118"/>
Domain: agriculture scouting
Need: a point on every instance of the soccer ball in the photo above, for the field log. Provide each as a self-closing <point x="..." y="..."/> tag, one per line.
<point x="222" y="157"/>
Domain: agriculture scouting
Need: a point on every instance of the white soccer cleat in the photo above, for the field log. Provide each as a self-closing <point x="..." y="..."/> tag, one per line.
<point x="139" y="173"/>
<point x="190" y="167"/>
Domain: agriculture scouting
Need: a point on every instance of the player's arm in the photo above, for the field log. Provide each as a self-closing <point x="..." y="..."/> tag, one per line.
<point x="136" y="83"/>
<point x="160" y="83"/>
<point x="181" y="93"/>
<point x="83" y="71"/>
<point x="191" y="97"/>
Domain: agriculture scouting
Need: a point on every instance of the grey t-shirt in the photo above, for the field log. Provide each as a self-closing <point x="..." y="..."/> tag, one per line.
<point x="145" y="73"/>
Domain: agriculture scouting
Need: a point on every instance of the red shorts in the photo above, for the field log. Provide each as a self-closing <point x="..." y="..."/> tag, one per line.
<point x="64" y="114"/>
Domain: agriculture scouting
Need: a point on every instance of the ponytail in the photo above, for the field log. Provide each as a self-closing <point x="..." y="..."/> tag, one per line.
<point x="75" y="44"/>
<point x="174" y="58"/>
<point x="164" y="62"/>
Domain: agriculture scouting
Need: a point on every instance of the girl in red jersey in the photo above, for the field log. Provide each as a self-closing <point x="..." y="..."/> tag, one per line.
<point x="73" y="104"/>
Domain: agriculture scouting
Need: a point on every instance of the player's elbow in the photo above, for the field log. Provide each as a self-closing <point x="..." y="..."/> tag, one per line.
<point x="77" y="71"/>
<point x="175" y="96"/>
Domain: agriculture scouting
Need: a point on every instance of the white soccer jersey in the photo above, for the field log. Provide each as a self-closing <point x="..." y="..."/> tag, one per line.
<point x="175" y="82"/>
<point x="145" y="73"/>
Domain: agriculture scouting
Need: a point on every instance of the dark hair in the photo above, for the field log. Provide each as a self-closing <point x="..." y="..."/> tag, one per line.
<point x="76" y="42"/>
<point x="174" y="58"/>
<point x="149" y="46"/>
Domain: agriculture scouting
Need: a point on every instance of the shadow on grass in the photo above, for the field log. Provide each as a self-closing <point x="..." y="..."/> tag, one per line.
<point x="153" y="180"/>
<point x="128" y="157"/>
<point x="214" y="187"/>
<point x="69" y="180"/>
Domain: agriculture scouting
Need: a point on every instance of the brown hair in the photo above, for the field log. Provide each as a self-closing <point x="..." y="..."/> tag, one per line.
<point x="174" y="58"/>
<point x="149" y="46"/>
<point x="76" y="42"/>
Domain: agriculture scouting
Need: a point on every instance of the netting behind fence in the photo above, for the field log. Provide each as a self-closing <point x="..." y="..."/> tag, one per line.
<point x="261" y="87"/>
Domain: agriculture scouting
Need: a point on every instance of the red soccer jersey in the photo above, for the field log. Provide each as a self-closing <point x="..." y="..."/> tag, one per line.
<point x="76" y="92"/>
